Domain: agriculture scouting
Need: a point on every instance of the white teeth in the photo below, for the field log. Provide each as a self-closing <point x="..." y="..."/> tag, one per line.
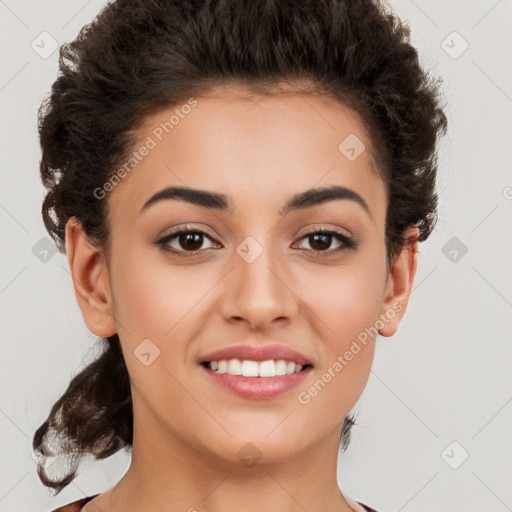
<point x="248" y="368"/>
<point x="267" y="368"/>
<point x="290" y="368"/>
<point x="234" y="367"/>
<point x="280" y="367"/>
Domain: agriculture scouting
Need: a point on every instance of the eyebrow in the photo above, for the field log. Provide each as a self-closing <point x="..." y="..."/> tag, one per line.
<point x="217" y="201"/>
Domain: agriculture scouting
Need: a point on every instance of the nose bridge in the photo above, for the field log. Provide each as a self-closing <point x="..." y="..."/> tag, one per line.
<point x="258" y="292"/>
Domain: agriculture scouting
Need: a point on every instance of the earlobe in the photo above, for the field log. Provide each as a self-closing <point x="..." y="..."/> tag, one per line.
<point x="90" y="280"/>
<point x="399" y="284"/>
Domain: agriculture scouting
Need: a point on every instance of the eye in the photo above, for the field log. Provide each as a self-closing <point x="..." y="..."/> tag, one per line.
<point x="188" y="241"/>
<point x="321" y="239"/>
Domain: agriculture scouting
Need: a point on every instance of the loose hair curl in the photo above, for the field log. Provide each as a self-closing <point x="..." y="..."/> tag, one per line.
<point x="140" y="56"/>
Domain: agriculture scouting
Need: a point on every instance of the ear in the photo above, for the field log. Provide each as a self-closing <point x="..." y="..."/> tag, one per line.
<point x="90" y="280"/>
<point x="399" y="284"/>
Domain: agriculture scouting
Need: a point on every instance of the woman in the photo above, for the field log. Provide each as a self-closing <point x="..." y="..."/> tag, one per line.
<point x="240" y="188"/>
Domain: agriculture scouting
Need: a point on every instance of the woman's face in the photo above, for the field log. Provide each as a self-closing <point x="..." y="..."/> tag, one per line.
<point x="255" y="276"/>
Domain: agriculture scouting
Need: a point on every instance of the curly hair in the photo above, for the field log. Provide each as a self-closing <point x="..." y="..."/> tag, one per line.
<point x="138" y="57"/>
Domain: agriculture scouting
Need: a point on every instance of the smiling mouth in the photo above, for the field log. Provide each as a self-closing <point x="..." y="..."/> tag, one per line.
<point x="250" y="368"/>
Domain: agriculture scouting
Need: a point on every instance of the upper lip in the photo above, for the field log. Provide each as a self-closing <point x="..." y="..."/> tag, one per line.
<point x="257" y="353"/>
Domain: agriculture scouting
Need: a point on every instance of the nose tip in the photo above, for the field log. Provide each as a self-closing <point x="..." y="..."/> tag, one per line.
<point x="258" y="294"/>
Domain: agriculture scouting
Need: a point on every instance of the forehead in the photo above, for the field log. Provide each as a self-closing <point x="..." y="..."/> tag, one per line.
<point x="251" y="147"/>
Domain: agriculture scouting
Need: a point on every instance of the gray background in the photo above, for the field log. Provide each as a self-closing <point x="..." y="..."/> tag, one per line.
<point x="445" y="376"/>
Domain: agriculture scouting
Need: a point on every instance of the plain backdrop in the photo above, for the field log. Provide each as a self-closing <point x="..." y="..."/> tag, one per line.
<point x="434" y="423"/>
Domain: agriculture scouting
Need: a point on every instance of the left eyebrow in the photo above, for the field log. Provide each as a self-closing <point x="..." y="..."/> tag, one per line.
<point x="316" y="196"/>
<point x="215" y="200"/>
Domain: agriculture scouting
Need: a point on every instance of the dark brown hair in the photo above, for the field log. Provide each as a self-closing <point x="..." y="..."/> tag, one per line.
<point x="140" y="56"/>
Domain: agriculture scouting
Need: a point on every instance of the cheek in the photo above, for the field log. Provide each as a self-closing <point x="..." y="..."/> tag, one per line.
<point x="156" y="301"/>
<point x="345" y="305"/>
<point x="349" y="312"/>
<point x="345" y="300"/>
<point x="348" y="308"/>
<point x="152" y="298"/>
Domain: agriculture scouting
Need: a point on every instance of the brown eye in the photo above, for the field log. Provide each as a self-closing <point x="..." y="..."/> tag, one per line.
<point x="191" y="241"/>
<point x="320" y="241"/>
<point x="183" y="241"/>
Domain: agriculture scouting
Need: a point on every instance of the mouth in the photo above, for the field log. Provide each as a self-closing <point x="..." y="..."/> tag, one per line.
<point x="249" y="368"/>
<point x="257" y="380"/>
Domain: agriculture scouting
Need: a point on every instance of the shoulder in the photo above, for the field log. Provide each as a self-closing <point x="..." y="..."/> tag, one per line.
<point x="76" y="506"/>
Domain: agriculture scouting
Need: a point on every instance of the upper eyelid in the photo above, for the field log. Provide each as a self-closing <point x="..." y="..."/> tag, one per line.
<point x="310" y="230"/>
<point x="313" y="230"/>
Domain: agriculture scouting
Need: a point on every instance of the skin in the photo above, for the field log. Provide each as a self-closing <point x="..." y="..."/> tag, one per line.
<point x="187" y="430"/>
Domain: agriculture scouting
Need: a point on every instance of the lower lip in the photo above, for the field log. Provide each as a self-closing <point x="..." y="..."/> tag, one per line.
<point x="258" y="387"/>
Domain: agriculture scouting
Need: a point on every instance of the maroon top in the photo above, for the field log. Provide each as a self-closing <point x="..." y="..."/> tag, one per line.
<point x="76" y="506"/>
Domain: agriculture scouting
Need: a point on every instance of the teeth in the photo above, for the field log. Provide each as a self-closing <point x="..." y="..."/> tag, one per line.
<point x="248" y="368"/>
<point x="281" y="367"/>
<point x="234" y="367"/>
<point x="267" y="368"/>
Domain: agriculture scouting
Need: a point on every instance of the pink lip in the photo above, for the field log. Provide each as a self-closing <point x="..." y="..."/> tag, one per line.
<point x="258" y="353"/>
<point x="258" y="387"/>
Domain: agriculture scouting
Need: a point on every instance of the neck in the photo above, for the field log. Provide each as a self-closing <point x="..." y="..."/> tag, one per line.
<point x="167" y="475"/>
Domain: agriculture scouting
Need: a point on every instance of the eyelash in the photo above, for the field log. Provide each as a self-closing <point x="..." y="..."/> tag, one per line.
<point x="349" y="244"/>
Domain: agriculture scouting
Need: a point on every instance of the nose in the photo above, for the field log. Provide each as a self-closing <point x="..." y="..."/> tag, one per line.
<point x="259" y="293"/>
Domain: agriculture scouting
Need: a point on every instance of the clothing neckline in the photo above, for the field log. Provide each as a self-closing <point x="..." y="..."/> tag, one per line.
<point x="77" y="506"/>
